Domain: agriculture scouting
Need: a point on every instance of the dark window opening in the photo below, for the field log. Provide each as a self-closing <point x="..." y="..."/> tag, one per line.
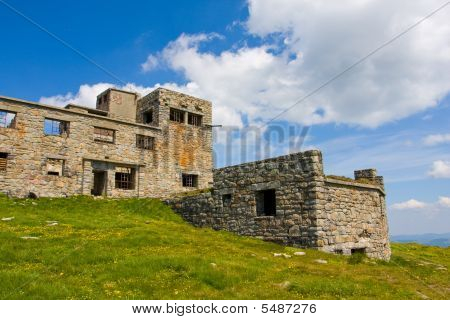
<point x="145" y="142"/>
<point x="104" y="135"/>
<point x="194" y="119"/>
<point x="226" y="200"/>
<point x="55" y="167"/>
<point x="124" y="178"/>
<point x="7" y="119"/>
<point x="338" y="251"/>
<point x="148" y="117"/>
<point x="177" y="115"/>
<point x="359" y="251"/>
<point x="56" y="127"/>
<point x="190" y="180"/>
<point x="266" y="202"/>
<point x="3" y="161"/>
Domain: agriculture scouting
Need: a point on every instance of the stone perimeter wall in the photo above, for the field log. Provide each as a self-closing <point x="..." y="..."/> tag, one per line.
<point x="311" y="210"/>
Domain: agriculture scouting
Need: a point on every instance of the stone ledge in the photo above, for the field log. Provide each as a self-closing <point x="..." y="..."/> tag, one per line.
<point x="355" y="184"/>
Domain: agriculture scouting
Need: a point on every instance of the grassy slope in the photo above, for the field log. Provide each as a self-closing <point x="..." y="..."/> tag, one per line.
<point x="140" y="249"/>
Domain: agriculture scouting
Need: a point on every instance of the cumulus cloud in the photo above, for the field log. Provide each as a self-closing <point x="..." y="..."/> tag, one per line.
<point x="317" y="39"/>
<point x="444" y="201"/>
<point x="303" y="43"/>
<point x="435" y="139"/>
<point x="150" y="64"/>
<point x="440" y="169"/>
<point x="410" y="204"/>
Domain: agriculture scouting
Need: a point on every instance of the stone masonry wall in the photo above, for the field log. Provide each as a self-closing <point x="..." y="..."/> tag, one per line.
<point x="158" y="171"/>
<point x="311" y="210"/>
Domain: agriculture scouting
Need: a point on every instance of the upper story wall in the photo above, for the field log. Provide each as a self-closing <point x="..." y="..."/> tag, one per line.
<point x="186" y="126"/>
<point x="118" y="103"/>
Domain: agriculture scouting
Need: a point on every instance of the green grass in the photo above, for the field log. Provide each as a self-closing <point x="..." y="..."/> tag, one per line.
<point x="140" y="249"/>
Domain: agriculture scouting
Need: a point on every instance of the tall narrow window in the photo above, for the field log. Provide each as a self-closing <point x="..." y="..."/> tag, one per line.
<point x="190" y="180"/>
<point x="56" y="127"/>
<point x="124" y="178"/>
<point x="176" y="115"/>
<point x="104" y="135"/>
<point x="55" y="167"/>
<point x="266" y="202"/>
<point x="3" y="161"/>
<point x="7" y="119"/>
<point x="145" y="142"/>
<point x="194" y="119"/>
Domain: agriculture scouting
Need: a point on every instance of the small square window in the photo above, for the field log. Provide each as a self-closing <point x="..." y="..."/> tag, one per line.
<point x="7" y="119"/>
<point x="226" y="200"/>
<point x="190" y="180"/>
<point x="55" y="167"/>
<point x="194" y="119"/>
<point x="145" y="142"/>
<point x="148" y="117"/>
<point x="56" y="127"/>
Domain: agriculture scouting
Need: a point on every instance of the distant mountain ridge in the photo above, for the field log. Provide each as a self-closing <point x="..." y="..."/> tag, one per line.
<point x="429" y="239"/>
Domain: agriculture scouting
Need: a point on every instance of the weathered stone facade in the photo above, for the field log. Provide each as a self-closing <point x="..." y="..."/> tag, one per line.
<point x="303" y="207"/>
<point x="111" y="150"/>
<point x="160" y="145"/>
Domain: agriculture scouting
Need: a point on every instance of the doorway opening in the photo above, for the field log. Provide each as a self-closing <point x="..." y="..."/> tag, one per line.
<point x="266" y="203"/>
<point x="99" y="188"/>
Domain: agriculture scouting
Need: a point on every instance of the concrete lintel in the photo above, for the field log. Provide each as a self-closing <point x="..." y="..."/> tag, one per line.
<point x="129" y="164"/>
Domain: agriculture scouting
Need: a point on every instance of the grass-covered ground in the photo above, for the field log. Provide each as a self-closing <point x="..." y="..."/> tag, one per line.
<point x="140" y="249"/>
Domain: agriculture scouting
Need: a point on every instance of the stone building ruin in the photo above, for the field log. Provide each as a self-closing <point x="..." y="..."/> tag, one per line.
<point x="128" y="146"/>
<point x="160" y="145"/>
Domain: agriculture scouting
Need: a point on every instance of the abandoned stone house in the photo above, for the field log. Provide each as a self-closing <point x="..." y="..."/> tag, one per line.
<point x="161" y="145"/>
<point x="128" y="146"/>
<point x="289" y="200"/>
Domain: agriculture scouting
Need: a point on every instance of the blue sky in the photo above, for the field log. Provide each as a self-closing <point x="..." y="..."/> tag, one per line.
<point x="252" y="60"/>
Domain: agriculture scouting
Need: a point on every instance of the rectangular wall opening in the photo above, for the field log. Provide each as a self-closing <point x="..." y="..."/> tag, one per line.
<point x="148" y="117"/>
<point x="56" y="127"/>
<point x="55" y="167"/>
<point x="194" y="119"/>
<point x="266" y="204"/>
<point x="124" y="178"/>
<point x="226" y="200"/>
<point x="7" y="119"/>
<point x="104" y="135"/>
<point x="100" y="180"/>
<point x="145" y="142"/>
<point x="176" y="115"/>
<point x="190" y="180"/>
<point x="359" y="251"/>
<point x="3" y="161"/>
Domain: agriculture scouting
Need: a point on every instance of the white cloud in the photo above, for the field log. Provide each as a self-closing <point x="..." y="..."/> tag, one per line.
<point x="440" y="169"/>
<point x="150" y="64"/>
<point x="305" y="43"/>
<point x="444" y="201"/>
<point x="435" y="139"/>
<point x="410" y="204"/>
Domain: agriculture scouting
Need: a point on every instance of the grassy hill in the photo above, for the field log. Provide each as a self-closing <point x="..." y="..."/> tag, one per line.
<point x="81" y="248"/>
